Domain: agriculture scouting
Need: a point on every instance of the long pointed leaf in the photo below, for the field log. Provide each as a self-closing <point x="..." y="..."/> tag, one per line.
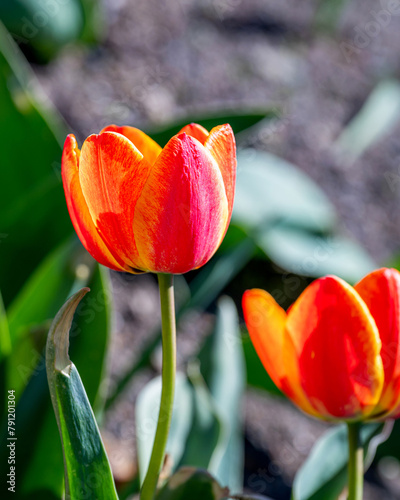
<point x="87" y="470"/>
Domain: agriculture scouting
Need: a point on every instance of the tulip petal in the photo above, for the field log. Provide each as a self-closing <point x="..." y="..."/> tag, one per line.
<point x="112" y="173"/>
<point x="266" y="321"/>
<point x="145" y="144"/>
<point x="338" y="349"/>
<point x="78" y="210"/>
<point x="221" y="144"/>
<point x="182" y="213"/>
<point x="380" y="290"/>
<point x="195" y="130"/>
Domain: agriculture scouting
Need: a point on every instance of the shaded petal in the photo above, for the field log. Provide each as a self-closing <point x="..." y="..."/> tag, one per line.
<point x="182" y="212"/>
<point x="112" y="173"/>
<point x="78" y="210"/>
<point x="195" y="130"/>
<point x="221" y="144"/>
<point x="338" y="348"/>
<point x="145" y="144"/>
<point x="266" y="321"/>
<point x="380" y="290"/>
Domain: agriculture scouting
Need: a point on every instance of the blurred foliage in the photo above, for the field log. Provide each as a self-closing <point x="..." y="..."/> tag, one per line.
<point x="42" y="29"/>
<point x="5" y="340"/>
<point x="292" y="221"/>
<point x="41" y="469"/>
<point x="239" y="120"/>
<point x="194" y="484"/>
<point x="379" y="114"/>
<point x="222" y="365"/>
<point x="324" y="474"/>
<point x="33" y="214"/>
<point x="328" y="14"/>
<point x="146" y="411"/>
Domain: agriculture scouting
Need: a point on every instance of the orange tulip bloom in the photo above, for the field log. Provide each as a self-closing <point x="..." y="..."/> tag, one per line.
<point x="336" y="352"/>
<point x="137" y="207"/>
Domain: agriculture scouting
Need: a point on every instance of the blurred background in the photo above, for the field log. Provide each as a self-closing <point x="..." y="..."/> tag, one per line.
<point x="312" y="92"/>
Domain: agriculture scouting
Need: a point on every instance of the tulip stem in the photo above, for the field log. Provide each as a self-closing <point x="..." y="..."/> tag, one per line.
<point x="356" y="462"/>
<point x="166" y="286"/>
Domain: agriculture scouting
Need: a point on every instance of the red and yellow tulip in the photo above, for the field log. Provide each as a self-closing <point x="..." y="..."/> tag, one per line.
<point x="336" y="351"/>
<point x="137" y="207"/>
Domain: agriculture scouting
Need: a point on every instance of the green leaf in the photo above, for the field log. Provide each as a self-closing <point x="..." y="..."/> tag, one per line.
<point x="207" y="438"/>
<point x="223" y="368"/>
<point x="147" y="409"/>
<point x="378" y="116"/>
<point x="249" y="497"/>
<point x="328" y="14"/>
<point x="33" y="212"/>
<point x="42" y="28"/>
<point x="215" y="276"/>
<point x="5" y="340"/>
<point x="238" y="120"/>
<point x="94" y="26"/>
<point x="192" y="483"/>
<point x="270" y="190"/>
<point x="37" y="302"/>
<point x="308" y="254"/>
<point x="324" y="474"/>
<point x="87" y="469"/>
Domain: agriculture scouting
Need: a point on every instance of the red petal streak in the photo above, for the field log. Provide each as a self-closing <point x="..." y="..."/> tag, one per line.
<point x="380" y="290"/>
<point x="145" y="144"/>
<point x="112" y="173"/>
<point x="182" y="211"/>
<point x="337" y="344"/>
<point x="221" y="144"/>
<point x="195" y="130"/>
<point x="78" y="210"/>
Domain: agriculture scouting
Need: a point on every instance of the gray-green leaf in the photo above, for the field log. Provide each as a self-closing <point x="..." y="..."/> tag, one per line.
<point x="196" y="484"/>
<point x="324" y="474"/>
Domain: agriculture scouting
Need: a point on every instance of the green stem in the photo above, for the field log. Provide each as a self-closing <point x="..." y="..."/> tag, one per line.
<point x="166" y="285"/>
<point x="356" y="462"/>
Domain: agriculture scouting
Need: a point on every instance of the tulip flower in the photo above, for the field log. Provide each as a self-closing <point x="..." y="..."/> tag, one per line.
<point x="336" y="352"/>
<point x="137" y="207"/>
